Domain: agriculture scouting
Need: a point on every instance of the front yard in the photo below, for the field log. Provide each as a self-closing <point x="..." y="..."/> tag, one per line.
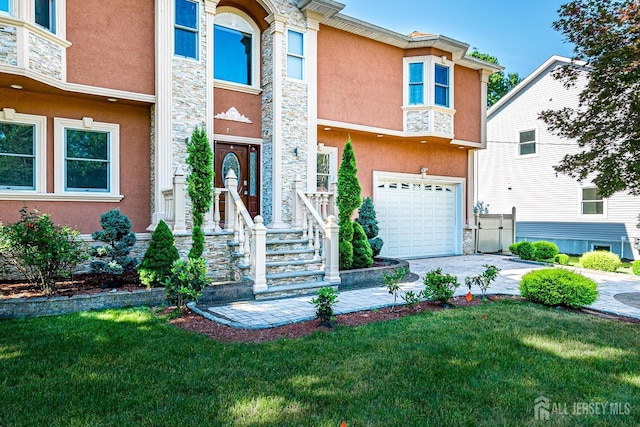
<point x="483" y="365"/>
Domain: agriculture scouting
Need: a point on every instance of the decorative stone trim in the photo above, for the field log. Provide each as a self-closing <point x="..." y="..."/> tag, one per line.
<point x="234" y="115"/>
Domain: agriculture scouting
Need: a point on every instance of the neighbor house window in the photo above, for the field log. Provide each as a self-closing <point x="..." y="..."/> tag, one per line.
<point x="5" y="6"/>
<point x="416" y="83"/>
<point x="236" y="49"/>
<point x="87" y="156"/>
<point x="186" y="29"/>
<point x="441" y="87"/>
<point x="22" y="152"/>
<point x="45" y="14"/>
<point x="527" y="143"/>
<point x="592" y="202"/>
<point x="295" y="55"/>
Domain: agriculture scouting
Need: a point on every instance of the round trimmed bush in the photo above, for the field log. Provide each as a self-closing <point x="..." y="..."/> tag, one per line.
<point x="600" y="260"/>
<point x="545" y="250"/>
<point x="526" y="250"/>
<point x="557" y="286"/>
<point x="562" y="259"/>
<point x="635" y="267"/>
<point x="513" y="248"/>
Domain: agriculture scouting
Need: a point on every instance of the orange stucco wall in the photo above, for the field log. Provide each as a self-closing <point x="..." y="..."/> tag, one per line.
<point x="396" y="155"/>
<point x="135" y="144"/>
<point x="359" y="80"/>
<point x="247" y="104"/>
<point x="467" y="102"/>
<point x="112" y="44"/>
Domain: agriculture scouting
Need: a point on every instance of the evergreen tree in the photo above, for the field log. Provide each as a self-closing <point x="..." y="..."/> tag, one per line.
<point x="199" y="185"/>
<point x="367" y="219"/>
<point x="362" y="253"/>
<point x="348" y="201"/>
<point x="159" y="257"/>
<point x="116" y="233"/>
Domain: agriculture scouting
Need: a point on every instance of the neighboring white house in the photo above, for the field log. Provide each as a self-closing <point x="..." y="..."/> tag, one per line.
<point x="516" y="170"/>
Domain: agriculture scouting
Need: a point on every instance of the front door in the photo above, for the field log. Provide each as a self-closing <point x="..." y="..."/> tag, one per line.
<point x="245" y="161"/>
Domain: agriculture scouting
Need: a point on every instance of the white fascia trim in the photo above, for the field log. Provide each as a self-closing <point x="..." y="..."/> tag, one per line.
<point x="237" y="87"/>
<point x="36" y="29"/>
<point x="380" y="131"/>
<point x="79" y="88"/>
<point x="67" y="197"/>
<point x="220" y="137"/>
<point x="462" y="143"/>
<point x="377" y="175"/>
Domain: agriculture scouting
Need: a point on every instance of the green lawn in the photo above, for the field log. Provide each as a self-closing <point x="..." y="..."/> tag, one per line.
<point x="464" y="367"/>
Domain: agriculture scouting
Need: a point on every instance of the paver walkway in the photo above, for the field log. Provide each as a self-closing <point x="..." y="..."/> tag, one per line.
<point x="267" y="314"/>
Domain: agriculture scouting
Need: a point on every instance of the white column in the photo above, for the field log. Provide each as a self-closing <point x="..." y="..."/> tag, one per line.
<point x="210" y="12"/>
<point x="311" y="59"/>
<point x="259" y="255"/>
<point x="163" y="117"/>
<point x="277" y="23"/>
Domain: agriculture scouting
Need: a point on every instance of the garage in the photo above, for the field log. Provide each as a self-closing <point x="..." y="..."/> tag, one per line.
<point x="418" y="217"/>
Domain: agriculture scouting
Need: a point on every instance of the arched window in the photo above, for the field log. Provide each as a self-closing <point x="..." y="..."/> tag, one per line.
<point x="236" y="48"/>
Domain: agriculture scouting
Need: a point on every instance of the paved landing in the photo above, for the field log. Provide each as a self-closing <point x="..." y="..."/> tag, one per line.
<point x="268" y="314"/>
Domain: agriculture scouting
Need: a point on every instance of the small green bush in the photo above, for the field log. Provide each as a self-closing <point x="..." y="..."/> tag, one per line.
<point x="324" y="301"/>
<point x="362" y="253"/>
<point x="113" y="257"/>
<point x="186" y="281"/>
<point x="513" y="248"/>
<point x="526" y="251"/>
<point x="545" y="250"/>
<point x="159" y="257"/>
<point x="562" y="259"/>
<point x="558" y="286"/>
<point x="439" y="286"/>
<point x="600" y="260"/>
<point x="635" y="267"/>
<point x="367" y="219"/>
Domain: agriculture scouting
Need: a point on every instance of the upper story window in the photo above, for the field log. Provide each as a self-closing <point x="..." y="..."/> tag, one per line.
<point x="186" y="29"/>
<point x="5" y="6"/>
<point x="416" y="83"/>
<point x="45" y="14"/>
<point x="441" y="85"/>
<point x="592" y="202"/>
<point x="295" y="55"/>
<point x="22" y="152"/>
<point x="236" y="48"/>
<point x="527" y="143"/>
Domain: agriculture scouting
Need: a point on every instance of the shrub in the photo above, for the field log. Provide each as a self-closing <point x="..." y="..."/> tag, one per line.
<point x="558" y="286"/>
<point x="635" y="267"/>
<point x="324" y="301"/>
<point x="186" y="281"/>
<point x="439" y="286"/>
<point x="545" y="250"/>
<point x="159" y="257"/>
<point x="199" y="185"/>
<point x="41" y="250"/>
<point x="367" y="219"/>
<point x="348" y="200"/>
<point x="562" y="259"/>
<point x="362" y="253"/>
<point x="392" y="282"/>
<point x="600" y="260"/>
<point x="513" y="248"/>
<point x="113" y="258"/>
<point x="484" y="279"/>
<point x="526" y="251"/>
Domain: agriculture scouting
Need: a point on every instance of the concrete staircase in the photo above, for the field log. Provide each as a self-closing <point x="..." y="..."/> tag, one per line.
<point x="294" y="267"/>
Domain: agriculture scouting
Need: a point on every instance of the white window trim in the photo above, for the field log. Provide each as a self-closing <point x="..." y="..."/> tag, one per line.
<point x="295" y="55"/>
<point x="255" y="86"/>
<point x="8" y="115"/>
<point x="333" y="163"/>
<point x="10" y="11"/>
<point x="59" y="126"/>
<point x="581" y="201"/>
<point x="180" y="27"/>
<point x="429" y="81"/>
<point x="537" y="143"/>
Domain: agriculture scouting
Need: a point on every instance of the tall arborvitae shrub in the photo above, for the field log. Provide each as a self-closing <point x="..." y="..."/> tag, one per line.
<point x="159" y="257"/>
<point x="348" y="201"/>
<point x="362" y="253"/>
<point x="113" y="257"/>
<point x="367" y="219"/>
<point x="199" y="185"/>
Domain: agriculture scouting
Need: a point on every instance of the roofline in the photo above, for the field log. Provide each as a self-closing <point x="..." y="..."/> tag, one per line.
<point x="520" y="87"/>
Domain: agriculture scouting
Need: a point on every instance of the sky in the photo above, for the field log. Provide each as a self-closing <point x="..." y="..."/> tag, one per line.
<point x="518" y="32"/>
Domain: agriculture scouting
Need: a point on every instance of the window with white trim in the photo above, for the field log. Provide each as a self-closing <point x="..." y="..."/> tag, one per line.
<point x="527" y="143"/>
<point x="86" y="156"/>
<point x="186" y="29"/>
<point x="295" y="55"/>
<point x="428" y="81"/>
<point x="441" y="85"/>
<point x="327" y="167"/>
<point x="236" y="48"/>
<point x="22" y="152"/>
<point x="592" y="202"/>
<point x="45" y="14"/>
<point x="5" y="6"/>
<point x="416" y="83"/>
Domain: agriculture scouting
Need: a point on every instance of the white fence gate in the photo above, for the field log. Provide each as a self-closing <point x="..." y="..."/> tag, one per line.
<point x="495" y="232"/>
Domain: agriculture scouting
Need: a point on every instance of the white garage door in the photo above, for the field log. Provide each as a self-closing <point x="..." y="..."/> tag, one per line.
<point x="417" y="217"/>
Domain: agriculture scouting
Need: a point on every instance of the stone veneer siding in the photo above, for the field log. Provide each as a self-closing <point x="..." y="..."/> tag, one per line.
<point x="468" y="242"/>
<point x="442" y="122"/>
<point x="418" y="121"/>
<point x="8" y="45"/>
<point x="267" y="124"/>
<point x="45" y="57"/>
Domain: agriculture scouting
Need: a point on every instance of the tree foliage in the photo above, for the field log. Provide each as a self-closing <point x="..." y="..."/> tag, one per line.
<point x="499" y="83"/>
<point x="362" y="253"/>
<point x="159" y="257"/>
<point x="606" y="122"/>
<point x="199" y="185"/>
<point x="367" y="219"/>
<point x="113" y="257"/>
<point x="348" y="200"/>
